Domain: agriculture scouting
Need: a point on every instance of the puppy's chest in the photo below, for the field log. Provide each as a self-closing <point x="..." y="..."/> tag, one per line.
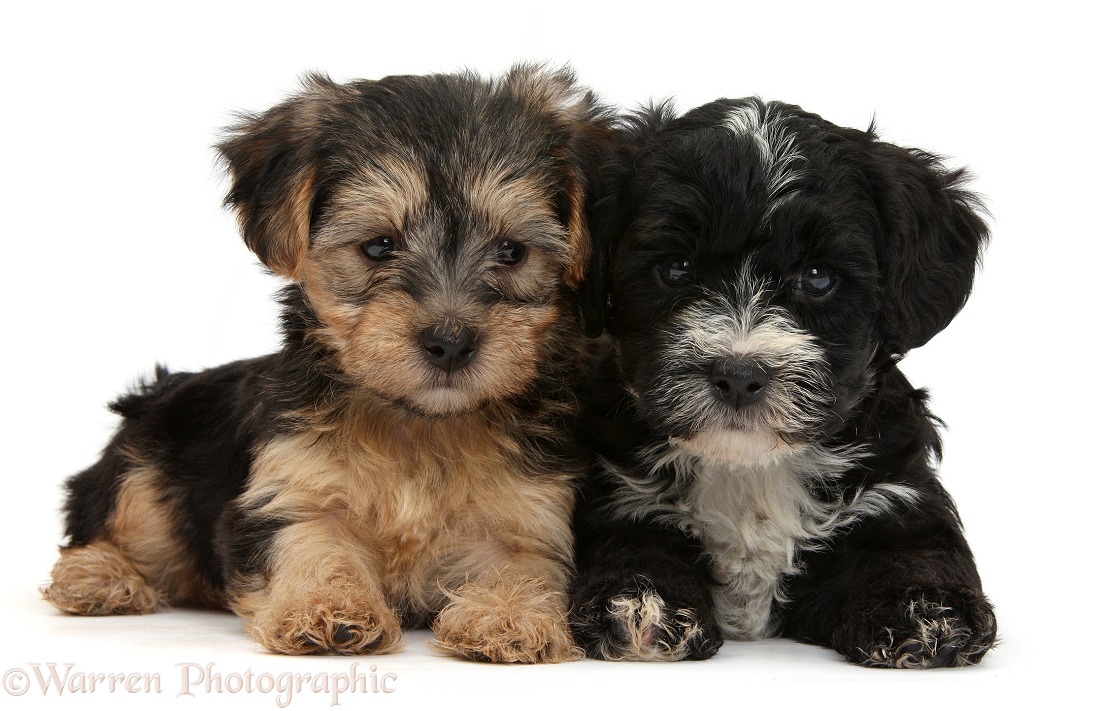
<point x="412" y="502"/>
<point x="752" y="523"/>
<point x="401" y="491"/>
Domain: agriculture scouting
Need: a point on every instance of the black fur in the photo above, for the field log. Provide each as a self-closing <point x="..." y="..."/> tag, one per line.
<point x="749" y="196"/>
<point x="200" y="430"/>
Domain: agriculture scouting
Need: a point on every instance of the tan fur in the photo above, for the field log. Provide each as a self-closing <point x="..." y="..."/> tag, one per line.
<point x="145" y="530"/>
<point x="380" y="196"/>
<point x="404" y="510"/>
<point x="97" y="579"/>
<point x="390" y="514"/>
<point x="521" y="206"/>
<point x="319" y="598"/>
<point x="378" y="346"/>
<point x="507" y="617"/>
<point x="287" y="230"/>
<point x="506" y="202"/>
<point x="139" y="564"/>
<point x="283" y="233"/>
<point x="290" y="229"/>
<point x="579" y="239"/>
<point x="554" y="91"/>
<point x="557" y="92"/>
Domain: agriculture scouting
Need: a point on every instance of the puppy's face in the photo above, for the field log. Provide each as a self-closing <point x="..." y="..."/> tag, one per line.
<point x="764" y="262"/>
<point x="435" y="224"/>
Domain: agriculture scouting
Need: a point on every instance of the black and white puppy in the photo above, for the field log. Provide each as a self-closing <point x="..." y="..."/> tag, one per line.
<point x="764" y="466"/>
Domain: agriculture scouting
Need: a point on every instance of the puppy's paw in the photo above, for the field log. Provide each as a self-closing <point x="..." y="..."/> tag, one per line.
<point x="327" y="627"/>
<point x="97" y="579"/>
<point x="518" y="620"/>
<point x="620" y="620"/>
<point x="919" y="630"/>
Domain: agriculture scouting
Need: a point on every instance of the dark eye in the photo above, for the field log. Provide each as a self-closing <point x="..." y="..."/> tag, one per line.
<point x="379" y="248"/>
<point x="816" y="281"/>
<point x="508" y="252"/>
<point x="677" y="272"/>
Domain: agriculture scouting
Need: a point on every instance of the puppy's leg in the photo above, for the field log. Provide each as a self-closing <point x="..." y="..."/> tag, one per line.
<point x="300" y="576"/>
<point x="97" y="579"/>
<point x="891" y="595"/>
<point x="133" y="559"/>
<point x="513" y="613"/>
<point x="641" y="596"/>
<point x="313" y="594"/>
<point x="938" y="625"/>
<point x="507" y="591"/>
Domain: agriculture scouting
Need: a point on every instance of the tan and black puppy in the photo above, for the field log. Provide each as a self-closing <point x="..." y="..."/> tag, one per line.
<point x="402" y="458"/>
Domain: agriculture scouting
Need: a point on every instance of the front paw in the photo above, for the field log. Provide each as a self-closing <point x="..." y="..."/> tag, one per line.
<point x="919" y="629"/>
<point x="324" y="626"/>
<point x="627" y="619"/>
<point x="512" y="620"/>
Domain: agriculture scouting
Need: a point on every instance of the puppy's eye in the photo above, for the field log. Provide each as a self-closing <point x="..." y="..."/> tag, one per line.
<point x="379" y="248"/>
<point x="508" y="252"/>
<point x="816" y="281"/>
<point x="677" y="272"/>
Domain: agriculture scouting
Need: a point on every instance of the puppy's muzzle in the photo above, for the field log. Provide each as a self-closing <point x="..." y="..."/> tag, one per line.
<point x="739" y="382"/>
<point x="450" y="350"/>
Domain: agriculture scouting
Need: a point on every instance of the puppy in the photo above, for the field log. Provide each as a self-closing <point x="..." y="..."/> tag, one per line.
<point x="403" y="458"/>
<point x="765" y="468"/>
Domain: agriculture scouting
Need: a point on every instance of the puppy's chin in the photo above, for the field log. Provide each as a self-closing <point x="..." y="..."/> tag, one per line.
<point x="740" y="447"/>
<point x="429" y="393"/>
<point x="440" y="402"/>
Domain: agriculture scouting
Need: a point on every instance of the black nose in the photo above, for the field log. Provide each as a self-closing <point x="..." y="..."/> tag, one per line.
<point x="451" y="350"/>
<point x="739" y="382"/>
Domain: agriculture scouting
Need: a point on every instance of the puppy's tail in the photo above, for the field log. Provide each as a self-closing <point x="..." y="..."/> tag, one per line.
<point x="137" y="402"/>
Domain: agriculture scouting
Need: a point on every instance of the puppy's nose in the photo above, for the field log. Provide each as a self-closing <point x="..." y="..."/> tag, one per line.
<point x="451" y="350"/>
<point x="739" y="382"/>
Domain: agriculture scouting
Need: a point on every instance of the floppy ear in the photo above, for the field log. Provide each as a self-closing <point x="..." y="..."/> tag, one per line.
<point x="272" y="160"/>
<point x="933" y="233"/>
<point x="584" y="132"/>
<point x="610" y="208"/>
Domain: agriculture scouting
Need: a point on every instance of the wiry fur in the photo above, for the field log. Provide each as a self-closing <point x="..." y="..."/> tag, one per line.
<point x="927" y="629"/>
<point x="763" y="466"/>
<point x="739" y="322"/>
<point x="345" y="486"/>
<point x="752" y="519"/>
<point x="766" y="126"/>
<point x="656" y="633"/>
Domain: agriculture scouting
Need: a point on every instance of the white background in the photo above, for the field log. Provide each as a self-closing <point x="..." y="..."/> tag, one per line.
<point x="120" y="256"/>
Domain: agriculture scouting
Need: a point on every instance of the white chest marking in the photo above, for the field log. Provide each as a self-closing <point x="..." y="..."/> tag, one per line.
<point x="753" y="521"/>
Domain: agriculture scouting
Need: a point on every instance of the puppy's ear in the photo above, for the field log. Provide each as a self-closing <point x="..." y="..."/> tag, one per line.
<point x="933" y="236"/>
<point x="584" y="131"/>
<point x="609" y="214"/>
<point x="272" y="160"/>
